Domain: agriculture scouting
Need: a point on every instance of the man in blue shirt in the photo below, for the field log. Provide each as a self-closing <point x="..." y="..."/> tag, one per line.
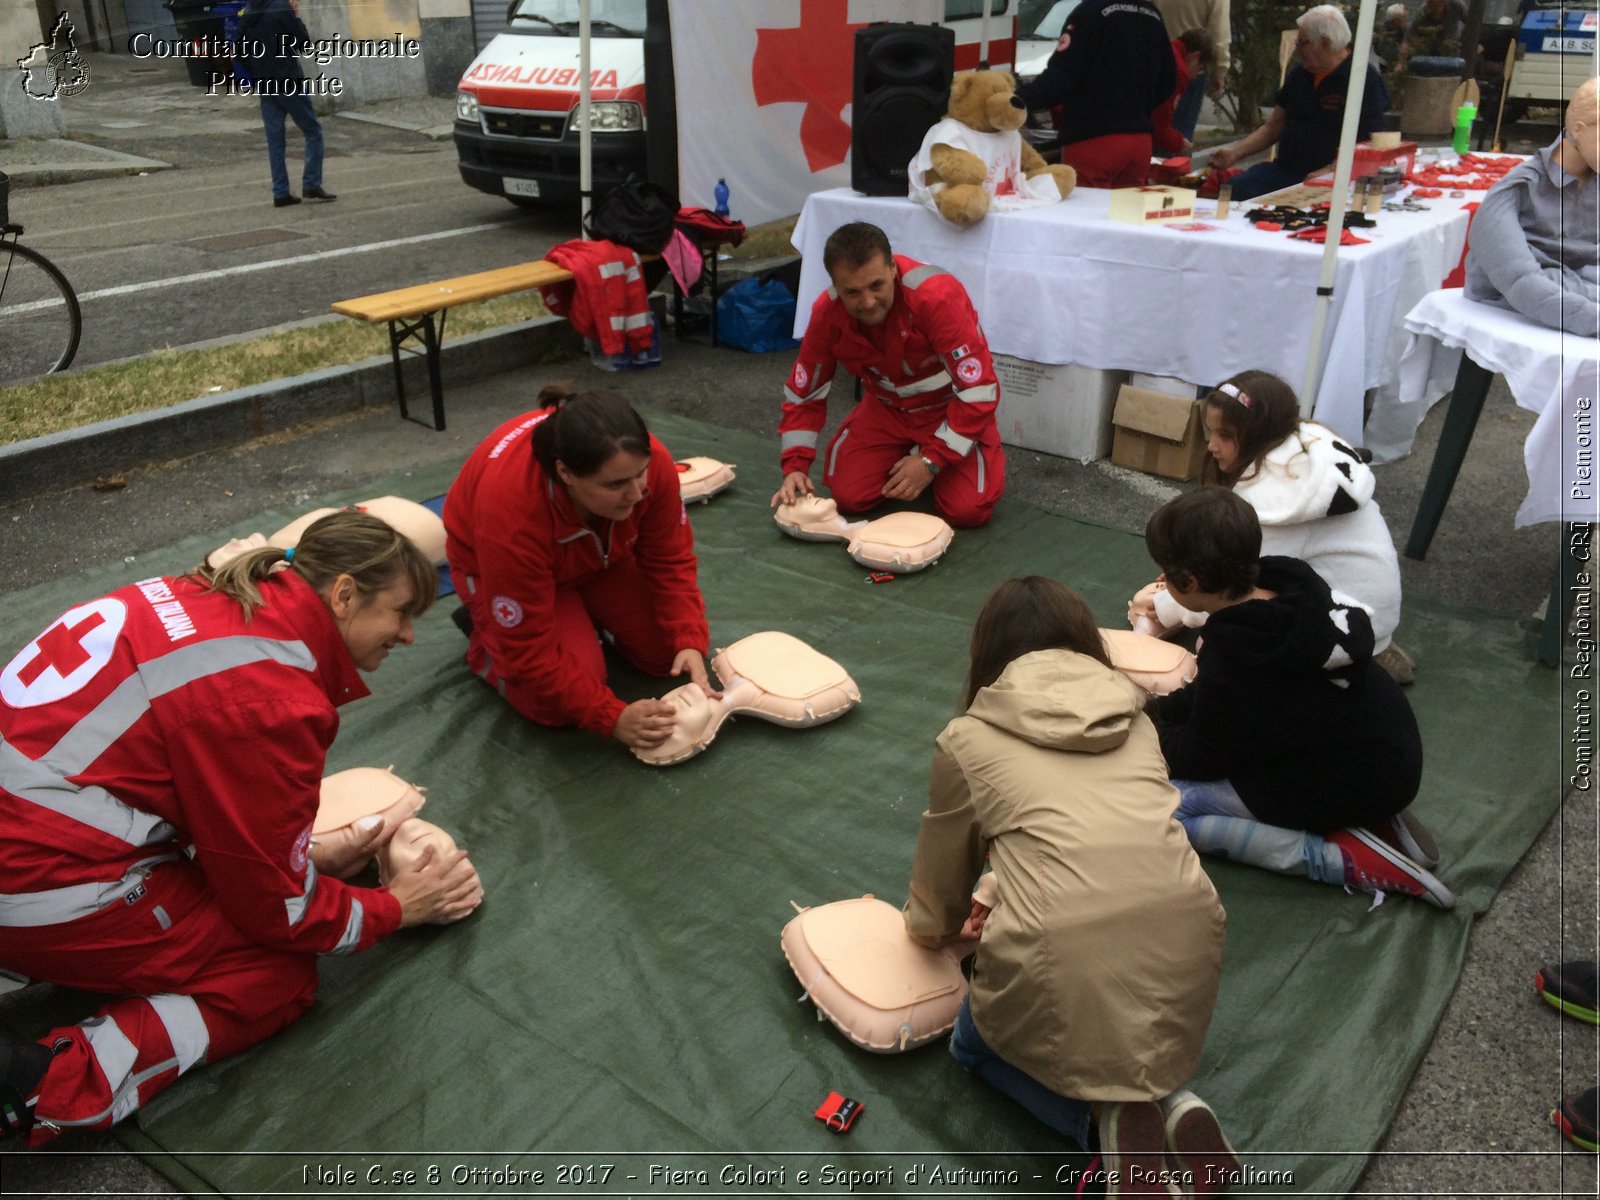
<point x="1306" y="123"/>
<point x="271" y="35"/>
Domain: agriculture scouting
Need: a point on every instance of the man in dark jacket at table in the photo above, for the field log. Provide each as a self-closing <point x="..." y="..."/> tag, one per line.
<point x="1112" y="67"/>
<point x="271" y="36"/>
<point x="1309" y="116"/>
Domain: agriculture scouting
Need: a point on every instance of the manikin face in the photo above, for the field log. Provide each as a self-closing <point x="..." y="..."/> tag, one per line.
<point x="867" y="291"/>
<point x="1222" y="442"/>
<point x="372" y="626"/>
<point x="613" y="491"/>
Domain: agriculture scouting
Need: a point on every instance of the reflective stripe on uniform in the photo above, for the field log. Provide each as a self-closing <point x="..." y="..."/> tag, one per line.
<point x="962" y="446"/>
<point x="115" y="1055"/>
<point x="981" y="473"/>
<point x="919" y="275"/>
<point x="939" y="379"/>
<point x="92" y="806"/>
<point x="297" y="905"/>
<point x="633" y="321"/>
<point x="798" y="439"/>
<point x="186" y="1028"/>
<point x="351" y="937"/>
<point x="610" y="270"/>
<point x="819" y="393"/>
<point x="838" y="445"/>
<point x="57" y="906"/>
<point x="986" y="393"/>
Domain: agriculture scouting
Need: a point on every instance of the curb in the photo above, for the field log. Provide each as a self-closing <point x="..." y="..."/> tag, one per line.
<point x="59" y="461"/>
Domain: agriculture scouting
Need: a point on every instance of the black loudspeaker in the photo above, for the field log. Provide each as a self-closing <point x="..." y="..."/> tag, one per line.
<point x="902" y="88"/>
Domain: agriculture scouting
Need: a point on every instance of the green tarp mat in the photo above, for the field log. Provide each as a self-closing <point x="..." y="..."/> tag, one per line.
<point x="618" y="1017"/>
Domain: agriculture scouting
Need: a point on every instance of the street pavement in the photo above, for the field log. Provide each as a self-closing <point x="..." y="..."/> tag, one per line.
<point x="1475" y="1117"/>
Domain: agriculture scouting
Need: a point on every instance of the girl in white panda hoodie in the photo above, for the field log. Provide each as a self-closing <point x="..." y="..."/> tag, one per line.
<point x="1313" y="496"/>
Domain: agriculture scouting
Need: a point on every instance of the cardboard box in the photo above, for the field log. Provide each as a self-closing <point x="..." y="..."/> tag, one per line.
<point x="1057" y="409"/>
<point x="1149" y="205"/>
<point x="1157" y="433"/>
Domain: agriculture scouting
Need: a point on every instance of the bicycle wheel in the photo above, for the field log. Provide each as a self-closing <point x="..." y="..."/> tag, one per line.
<point x="39" y="317"/>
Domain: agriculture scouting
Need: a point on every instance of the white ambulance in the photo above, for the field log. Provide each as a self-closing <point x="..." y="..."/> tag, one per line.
<point x="517" y="126"/>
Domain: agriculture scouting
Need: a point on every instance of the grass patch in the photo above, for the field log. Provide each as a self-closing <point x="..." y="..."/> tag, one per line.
<point x="165" y="377"/>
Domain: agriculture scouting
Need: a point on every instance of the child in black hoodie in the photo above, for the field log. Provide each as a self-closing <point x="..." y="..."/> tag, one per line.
<point x="1292" y="750"/>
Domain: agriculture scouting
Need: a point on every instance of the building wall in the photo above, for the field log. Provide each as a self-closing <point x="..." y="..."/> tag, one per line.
<point x="21" y="115"/>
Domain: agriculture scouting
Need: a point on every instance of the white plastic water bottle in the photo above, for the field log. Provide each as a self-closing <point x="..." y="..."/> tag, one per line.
<point x="721" y="194"/>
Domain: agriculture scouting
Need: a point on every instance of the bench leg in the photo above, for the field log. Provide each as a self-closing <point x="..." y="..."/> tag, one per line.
<point x="711" y="261"/>
<point x="430" y="334"/>
<point x="1466" y="403"/>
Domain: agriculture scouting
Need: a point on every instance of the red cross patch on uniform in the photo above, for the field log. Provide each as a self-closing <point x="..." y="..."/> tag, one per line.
<point x="507" y="612"/>
<point x="65" y="656"/>
<point x="969" y="370"/>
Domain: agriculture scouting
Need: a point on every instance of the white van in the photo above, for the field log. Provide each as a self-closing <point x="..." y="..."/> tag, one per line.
<point x="517" y="126"/>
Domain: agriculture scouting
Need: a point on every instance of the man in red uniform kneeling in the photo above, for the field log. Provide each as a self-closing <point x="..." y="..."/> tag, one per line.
<point x="909" y="332"/>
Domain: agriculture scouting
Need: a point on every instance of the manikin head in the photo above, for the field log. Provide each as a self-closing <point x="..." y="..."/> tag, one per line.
<point x="862" y="268"/>
<point x="1581" y="130"/>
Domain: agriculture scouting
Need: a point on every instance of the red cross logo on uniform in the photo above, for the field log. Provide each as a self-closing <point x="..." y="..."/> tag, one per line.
<point x="64" y="657"/>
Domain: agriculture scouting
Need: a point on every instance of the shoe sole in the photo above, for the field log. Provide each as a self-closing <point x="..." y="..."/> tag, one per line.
<point x="1571" y="1007"/>
<point x="1133" y="1143"/>
<point x="1415" y="840"/>
<point x="1195" y="1138"/>
<point x="1434" y="891"/>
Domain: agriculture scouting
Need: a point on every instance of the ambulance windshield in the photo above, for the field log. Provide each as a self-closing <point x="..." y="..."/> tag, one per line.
<point x="607" y="18"/>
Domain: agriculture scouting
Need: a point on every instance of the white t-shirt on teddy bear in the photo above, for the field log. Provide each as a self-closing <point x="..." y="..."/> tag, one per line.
<point x="1007" y="186"/>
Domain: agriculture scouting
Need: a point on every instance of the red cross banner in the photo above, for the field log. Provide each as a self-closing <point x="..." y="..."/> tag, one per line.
<point x="764" y="90"/>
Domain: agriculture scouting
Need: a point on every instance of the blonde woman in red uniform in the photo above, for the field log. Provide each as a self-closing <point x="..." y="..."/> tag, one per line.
<point x="566" y="522"/>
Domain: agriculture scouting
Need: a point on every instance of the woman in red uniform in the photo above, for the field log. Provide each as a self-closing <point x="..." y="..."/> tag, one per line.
<point x="565" y="521"/>
<point x="161" y="754"/>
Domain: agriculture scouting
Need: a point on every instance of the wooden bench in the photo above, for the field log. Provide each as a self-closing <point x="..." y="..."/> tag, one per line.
<point x="418" y="313"/>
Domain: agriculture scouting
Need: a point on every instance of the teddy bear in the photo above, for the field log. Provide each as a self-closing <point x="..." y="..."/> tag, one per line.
<point x="975" y="158"/>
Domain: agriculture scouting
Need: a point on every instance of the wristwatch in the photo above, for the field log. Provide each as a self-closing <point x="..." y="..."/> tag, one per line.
<point x="933" y="467"/>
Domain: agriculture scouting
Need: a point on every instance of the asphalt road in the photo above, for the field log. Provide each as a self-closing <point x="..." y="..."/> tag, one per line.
<point x="180" y="256"/>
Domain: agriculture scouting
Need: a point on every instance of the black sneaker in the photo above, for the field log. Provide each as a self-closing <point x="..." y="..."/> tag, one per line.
<point x="319" y="194"/>
<point x="22" y="1066"/>
<point x="284" y="201"/>
<point x="1576" y="1120"/>
<point x="1570" y="987"/>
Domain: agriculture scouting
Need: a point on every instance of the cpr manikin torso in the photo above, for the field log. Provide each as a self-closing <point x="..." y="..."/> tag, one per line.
<point x="861" y="969"/>
<point x="420" y="524"/>
<point x="1155" y="665"/>
<point x="899" y="542"/>
<point x="699" y="479"/>
<point x="769" y="675"/>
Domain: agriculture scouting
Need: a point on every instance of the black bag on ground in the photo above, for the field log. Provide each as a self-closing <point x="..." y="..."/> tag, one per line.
<point x="637" y="214"/>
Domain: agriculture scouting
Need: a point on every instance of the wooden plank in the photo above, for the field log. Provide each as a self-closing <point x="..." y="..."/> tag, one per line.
<point x="446" y="293"/>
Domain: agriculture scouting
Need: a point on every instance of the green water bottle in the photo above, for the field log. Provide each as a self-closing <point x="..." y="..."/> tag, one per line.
<point x="1465" y="116"/>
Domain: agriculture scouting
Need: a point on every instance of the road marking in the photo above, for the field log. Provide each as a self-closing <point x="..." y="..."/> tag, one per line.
<point x="277" y="263"/>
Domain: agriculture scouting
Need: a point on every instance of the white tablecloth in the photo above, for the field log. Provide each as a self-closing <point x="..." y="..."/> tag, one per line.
<point x="1066" y="284"/>
<point x="1551" y="373"/>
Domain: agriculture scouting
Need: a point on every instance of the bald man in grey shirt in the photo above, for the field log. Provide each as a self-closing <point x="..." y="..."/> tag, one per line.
<point x="1535" y="242"/>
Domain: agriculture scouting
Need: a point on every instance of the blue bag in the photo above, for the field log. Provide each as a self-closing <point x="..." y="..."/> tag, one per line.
<point x="756" y="316"/>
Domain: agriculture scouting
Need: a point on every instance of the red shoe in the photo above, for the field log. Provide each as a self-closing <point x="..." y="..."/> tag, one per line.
<point x="1133" y="1143"/>
<point x="1410" y="836"/>
<point x="1371" y="865"/>
<point x="1196" y="1141"/>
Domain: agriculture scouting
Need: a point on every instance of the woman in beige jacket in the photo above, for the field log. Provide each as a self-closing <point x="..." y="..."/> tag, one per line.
<point x="1100" y="958"/>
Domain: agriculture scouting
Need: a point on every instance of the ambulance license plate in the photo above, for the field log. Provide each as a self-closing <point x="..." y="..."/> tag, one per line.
<point x="520" y="187"/>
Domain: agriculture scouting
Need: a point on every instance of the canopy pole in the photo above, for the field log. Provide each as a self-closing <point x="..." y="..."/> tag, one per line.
<point x="1338" y="202"/>
<point x="586" y="134"/>
<point x="983" y="36"/>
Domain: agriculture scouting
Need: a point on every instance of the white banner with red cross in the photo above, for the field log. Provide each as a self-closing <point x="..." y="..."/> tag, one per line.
<point x="764" y="91"/>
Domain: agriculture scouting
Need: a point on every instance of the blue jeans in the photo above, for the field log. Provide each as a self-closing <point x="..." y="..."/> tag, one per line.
<point x="1262" y="178"/>
<point x="1218" y="823"/>
<point x="1061" y="1113"/>
<point x="1186" y="113"/>
<point x="273" y="111"/>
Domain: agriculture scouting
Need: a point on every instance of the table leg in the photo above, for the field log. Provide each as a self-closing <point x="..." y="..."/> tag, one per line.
<point x="1466" y="402"/>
